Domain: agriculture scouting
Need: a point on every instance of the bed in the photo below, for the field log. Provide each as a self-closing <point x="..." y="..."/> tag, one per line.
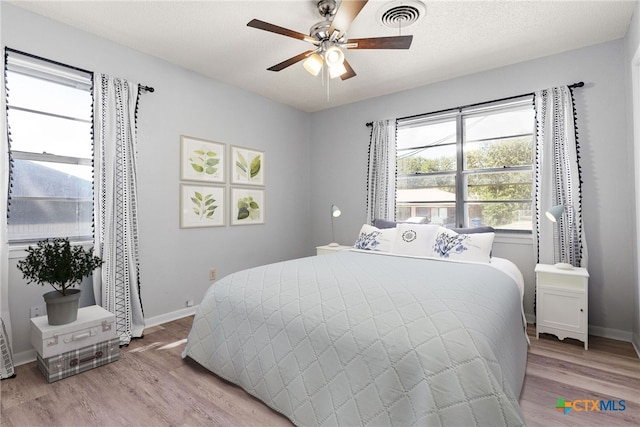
<point x="370" y="338"/>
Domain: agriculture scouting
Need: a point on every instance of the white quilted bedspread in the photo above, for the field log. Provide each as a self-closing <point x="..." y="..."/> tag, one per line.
<point x="355" y="338"/>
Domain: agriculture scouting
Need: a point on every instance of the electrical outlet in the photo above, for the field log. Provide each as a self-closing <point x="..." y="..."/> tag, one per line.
<point x="212" y="274"/>
<point x="189" y="303"/>
<point x="36" y="311"/>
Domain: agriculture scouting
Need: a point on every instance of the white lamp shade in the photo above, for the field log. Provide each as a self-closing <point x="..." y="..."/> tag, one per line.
<point x="555" y="213"/>
<point x="337" y="70"/>
<point x="313" y="64"/>
<point x="333" y="56"/>
<point x="335" y="211"/>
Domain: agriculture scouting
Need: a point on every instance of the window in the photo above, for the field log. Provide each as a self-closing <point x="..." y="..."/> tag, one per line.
<point x="49" y="117"/>
<point x="468" y="167"/>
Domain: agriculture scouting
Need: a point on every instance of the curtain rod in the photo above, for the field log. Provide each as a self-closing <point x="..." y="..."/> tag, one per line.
<point x="147" y="88"/>
<point x="571" y="86"/>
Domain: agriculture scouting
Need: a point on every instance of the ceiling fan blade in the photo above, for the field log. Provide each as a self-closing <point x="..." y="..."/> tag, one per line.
<point x="261" y="25"/>
<point x="346" y="13"/>
<point x="350" y="73"/>
<point x="394" y="42"/>
<point x="290" y="61"/>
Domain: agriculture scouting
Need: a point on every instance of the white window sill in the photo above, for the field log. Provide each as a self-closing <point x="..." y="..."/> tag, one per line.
<point x="514" y="238"/>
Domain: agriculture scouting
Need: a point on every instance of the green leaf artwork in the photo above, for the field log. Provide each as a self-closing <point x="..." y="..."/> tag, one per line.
<point x="203" y="205"/>
<point x="204" y="162"/>
<point x="241" y="163"/>
<point x="255" y="166"/>
<point x="248" y="208"/>
<point x="249" y="169"/>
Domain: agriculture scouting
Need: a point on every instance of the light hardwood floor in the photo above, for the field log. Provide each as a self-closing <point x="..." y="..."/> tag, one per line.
<point x="609" y="370"/>
<point x="152" y="386"/>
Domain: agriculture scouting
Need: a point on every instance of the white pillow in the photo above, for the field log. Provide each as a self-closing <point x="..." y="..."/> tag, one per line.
<point x="415" y="239"/>
<point x="465" y="247"/>
<point x="375" y="239"/>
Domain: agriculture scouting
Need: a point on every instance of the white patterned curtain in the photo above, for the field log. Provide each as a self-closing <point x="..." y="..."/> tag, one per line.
<point x="558" y="181"/>
<point x="381" y="177"/>
<point x="6" y="357"/>
<point x="117" y="288"/>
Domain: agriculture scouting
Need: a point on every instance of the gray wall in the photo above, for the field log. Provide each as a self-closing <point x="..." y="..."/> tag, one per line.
<point x="175" y="262"/>
<point x="339" y="146"/>
<point x="633" y="49"/>
<point x="319" y="159"/>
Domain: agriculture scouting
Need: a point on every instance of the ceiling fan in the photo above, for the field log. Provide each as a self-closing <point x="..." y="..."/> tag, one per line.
<point x="329" y="38"/>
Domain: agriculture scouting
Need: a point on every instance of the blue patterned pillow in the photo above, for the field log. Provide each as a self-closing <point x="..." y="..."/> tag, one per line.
<point x="464" y="247"/>
<point x="373" y="239"/>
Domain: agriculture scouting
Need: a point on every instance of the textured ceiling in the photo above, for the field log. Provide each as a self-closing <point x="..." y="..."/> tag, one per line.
<point x="454" y="38"/>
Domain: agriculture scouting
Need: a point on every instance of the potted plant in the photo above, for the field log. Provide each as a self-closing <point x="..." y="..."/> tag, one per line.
<point x="63" y="266"/>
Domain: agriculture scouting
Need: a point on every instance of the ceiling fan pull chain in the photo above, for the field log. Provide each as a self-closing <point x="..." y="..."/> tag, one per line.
<point x="328" y="84"/>
<point x="324" y="72"/>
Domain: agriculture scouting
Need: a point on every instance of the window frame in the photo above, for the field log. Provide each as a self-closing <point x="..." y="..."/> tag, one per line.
<point x="462" y="172"/>
<point x="33" y="66"/>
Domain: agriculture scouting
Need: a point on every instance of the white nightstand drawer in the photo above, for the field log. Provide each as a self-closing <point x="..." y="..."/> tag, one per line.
<point x="564" y="282"/>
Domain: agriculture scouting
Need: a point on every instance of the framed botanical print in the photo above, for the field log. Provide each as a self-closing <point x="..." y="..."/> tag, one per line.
<point x="202" y="206"/>
<point x="247" y="166"/>
<point x="247" y="206"/>
<point x="202" y="160"/>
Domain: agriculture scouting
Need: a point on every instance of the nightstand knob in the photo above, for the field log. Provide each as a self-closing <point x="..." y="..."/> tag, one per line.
<point x="581" y="311"/>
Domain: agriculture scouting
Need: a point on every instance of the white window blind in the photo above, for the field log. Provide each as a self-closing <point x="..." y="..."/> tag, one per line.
<point x="50" y="122"/>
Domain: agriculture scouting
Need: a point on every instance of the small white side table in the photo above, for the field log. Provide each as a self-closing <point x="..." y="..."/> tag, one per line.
<point x="562" y="302"/>
<point x="328" y="249"/>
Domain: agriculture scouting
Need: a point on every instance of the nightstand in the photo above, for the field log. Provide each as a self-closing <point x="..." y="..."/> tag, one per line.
<point x="328" y="249"/>
<point x="562" y="302"/>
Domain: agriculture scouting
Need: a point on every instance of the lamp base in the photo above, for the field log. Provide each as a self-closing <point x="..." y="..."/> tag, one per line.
<point x="563" y="266"/>
<point x="333" y="245"/>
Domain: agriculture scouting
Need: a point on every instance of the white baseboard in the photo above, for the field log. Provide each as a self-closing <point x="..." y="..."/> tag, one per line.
<point x="30" y="355"/>
<point x="169" y="317"/>
<point x="599" y="331"/>
<point x="24" y="357"/>
<point x="615" y="334"/>
<point x="636" y="344"/>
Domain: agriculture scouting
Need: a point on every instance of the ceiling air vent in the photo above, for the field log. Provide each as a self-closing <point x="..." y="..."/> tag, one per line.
<point x="401" y="14"/>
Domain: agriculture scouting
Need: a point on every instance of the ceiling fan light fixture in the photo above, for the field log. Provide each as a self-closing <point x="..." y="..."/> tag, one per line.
<point x="334" y="56"/>
<point x="313" y="64"/>
<point x="329" y="36"/>
<point x="337" y="70"/>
